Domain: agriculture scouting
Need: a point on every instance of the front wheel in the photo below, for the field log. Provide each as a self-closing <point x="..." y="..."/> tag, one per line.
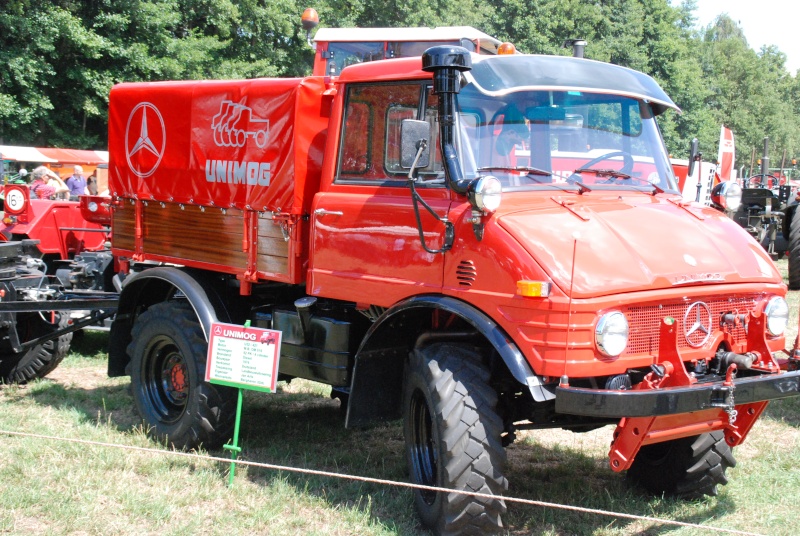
<point x="688" y="468"/>
<point x="167" y="369"/>
<point x="452" y="435"/>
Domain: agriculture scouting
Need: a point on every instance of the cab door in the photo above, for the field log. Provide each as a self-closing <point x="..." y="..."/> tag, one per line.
<point x="365" y="243"/>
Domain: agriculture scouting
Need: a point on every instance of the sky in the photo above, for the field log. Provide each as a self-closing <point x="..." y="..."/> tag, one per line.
<point x="764" y="22"/>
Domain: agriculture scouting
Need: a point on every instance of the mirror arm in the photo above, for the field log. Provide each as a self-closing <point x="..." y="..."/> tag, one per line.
<point x="449" y="228"/>
<point x="421" y="145"/>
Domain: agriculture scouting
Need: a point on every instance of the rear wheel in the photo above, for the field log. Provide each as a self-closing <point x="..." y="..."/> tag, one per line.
<point x="794" y="252"/>
<point x="687" y="468"/>
<point x="452" y="435"/>
<point x="167" y="369"/>
<point x="40" y="360"/>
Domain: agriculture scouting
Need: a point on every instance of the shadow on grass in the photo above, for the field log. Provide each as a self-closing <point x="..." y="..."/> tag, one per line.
<point x="786" y="410"/>
<point x="90" y="343"/>
<point x="307" y="431"/>
<point x="109" y="405"/>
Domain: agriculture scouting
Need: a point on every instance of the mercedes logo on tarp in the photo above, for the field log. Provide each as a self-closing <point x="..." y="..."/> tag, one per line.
<point x="697" y="324"/>
<point x="145" y="139"/>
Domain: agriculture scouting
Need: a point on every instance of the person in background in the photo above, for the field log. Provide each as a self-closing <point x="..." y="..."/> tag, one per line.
<point x="39" y="186"/>
<point x="55" y="180"/>
<point x="77" y="182"/>
<point x="91" y="184"/>
<point x="46" y="184"/>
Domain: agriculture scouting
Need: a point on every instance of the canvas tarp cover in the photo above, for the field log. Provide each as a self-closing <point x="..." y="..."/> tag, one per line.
<point x="250" y="144"/>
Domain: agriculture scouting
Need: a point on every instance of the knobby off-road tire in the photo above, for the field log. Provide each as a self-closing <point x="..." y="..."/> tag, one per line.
<point x="452" y="435"/>
<point x="687" y="468"/>
<point x="42" y="359"/>
<point x="167" y="369"/>
<point x="794" y="252"/>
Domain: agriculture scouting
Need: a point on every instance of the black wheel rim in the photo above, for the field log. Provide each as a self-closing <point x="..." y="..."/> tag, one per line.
<point x="423" y="446"/>
<point x="657" y="454"/>
<point x="166" y="379"/>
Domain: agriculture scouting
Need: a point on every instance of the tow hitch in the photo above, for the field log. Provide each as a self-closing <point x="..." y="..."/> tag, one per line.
<point x="718" y="413"/>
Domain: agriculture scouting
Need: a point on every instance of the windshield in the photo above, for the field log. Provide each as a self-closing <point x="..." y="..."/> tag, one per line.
<point x="531" y="138"/>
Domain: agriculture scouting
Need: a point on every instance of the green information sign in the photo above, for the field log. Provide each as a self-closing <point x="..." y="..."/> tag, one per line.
<point x="243" y="357"/>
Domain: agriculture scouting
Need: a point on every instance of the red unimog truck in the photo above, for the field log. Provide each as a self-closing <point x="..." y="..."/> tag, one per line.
<point x="475" y="244"/>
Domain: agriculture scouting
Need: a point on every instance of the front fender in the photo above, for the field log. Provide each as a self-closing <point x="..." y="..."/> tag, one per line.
<point x="376" y="387"/>
<point x="155" y="285"/>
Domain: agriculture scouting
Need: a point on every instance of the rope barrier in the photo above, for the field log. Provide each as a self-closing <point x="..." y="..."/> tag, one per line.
<point x="371" y="480"/>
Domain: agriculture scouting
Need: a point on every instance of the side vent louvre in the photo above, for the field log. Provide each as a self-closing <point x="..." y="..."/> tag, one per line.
<point x="466" y="273"/>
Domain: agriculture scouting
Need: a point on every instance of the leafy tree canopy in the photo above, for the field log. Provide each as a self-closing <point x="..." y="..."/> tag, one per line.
<point x="59" y="58"/>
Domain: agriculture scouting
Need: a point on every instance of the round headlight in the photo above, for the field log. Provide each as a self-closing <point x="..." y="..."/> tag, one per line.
<point x="777" y="312"/>
<point x="727" y="195"/>
<point x="484" y="193"/>
<point x="611" y="333"/>
<point x="733" y="196"/>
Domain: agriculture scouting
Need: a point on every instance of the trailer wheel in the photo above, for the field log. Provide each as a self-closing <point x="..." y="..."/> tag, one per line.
<point x="42" y="359"/>
<point x="452" y="435"/>
<point x="794" y="252"/>
<point x="167" y="369"/>
<point x="687" y="468"/>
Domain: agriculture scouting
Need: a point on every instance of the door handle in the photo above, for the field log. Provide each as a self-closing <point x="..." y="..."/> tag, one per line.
<point x="323" y="212"/>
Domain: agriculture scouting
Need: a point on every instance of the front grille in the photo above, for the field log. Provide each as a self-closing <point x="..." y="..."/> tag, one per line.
<point x="644" y="322"/>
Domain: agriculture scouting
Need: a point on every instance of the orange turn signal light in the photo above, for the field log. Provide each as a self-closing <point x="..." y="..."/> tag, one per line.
<point x="533" y="289"/>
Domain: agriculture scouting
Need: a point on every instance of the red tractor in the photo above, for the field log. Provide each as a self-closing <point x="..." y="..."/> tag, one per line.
<point x="58" y="225"/>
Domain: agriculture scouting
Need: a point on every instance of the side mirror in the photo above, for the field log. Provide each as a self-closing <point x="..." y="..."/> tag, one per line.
<point x="694" y="155"/>
<point x="412" y="133"/>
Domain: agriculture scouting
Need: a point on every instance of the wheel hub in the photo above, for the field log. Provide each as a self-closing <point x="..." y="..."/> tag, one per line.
<point x="175" y="380"/>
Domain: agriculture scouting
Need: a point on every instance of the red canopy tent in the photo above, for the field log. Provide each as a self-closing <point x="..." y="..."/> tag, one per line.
<point x="59" y="160"/>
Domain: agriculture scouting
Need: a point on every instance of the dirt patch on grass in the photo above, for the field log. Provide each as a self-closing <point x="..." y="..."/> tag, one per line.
<point x="84" y="376"/>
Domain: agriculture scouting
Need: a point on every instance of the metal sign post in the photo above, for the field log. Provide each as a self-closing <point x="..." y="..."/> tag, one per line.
<point x="245" y="358"/>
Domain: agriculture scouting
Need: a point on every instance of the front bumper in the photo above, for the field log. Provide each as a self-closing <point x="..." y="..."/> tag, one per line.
<point x="676" y="400"/>
<point x="671" y="403"/>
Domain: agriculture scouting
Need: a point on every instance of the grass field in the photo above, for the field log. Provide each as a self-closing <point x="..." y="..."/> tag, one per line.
<point x="54" y="487"/>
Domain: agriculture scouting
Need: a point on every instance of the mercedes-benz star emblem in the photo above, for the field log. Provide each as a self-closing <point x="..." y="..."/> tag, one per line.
<point x="144" y="146"/>
<point x="697" y="324"/>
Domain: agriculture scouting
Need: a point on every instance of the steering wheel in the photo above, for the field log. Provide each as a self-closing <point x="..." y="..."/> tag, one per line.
<point x="755" y="181"/>
<point x="627" y="163"/>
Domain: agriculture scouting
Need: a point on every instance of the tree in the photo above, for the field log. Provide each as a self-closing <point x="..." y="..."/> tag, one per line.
<point x="749" y="92"/>
<point x="60" y="58"/>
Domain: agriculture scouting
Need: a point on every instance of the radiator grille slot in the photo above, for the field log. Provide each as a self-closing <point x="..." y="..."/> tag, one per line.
<point x="466" y="273"/>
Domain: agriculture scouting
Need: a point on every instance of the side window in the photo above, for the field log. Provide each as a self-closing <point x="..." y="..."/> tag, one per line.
<point x="370" y="145"/>
<point x="344" y="54"/>
<point x="355" y="152"/>
<point x="394" y="121"/>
